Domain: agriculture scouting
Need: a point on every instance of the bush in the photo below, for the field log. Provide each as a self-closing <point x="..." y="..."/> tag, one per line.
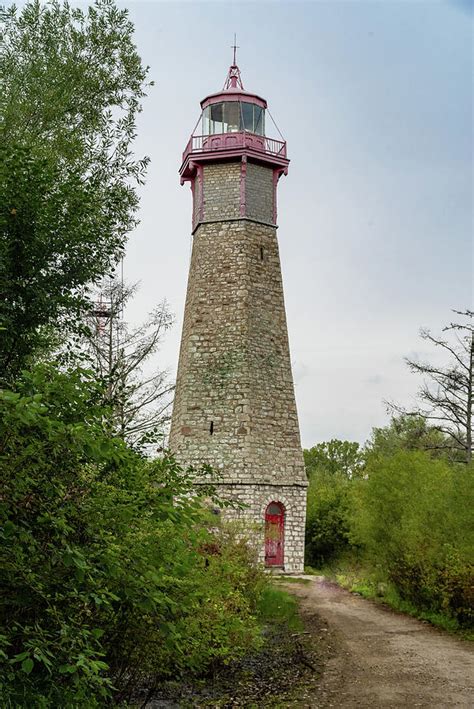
<point x="412" y="514"/>
<point x="111" y="578"/>
<point x="332" y="468"/>
<point x="327" y="523"/>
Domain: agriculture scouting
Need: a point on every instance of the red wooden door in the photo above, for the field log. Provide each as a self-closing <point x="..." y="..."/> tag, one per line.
<point x="274" y="534"/>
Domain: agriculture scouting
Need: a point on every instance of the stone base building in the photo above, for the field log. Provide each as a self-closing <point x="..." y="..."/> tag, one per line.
<point x="234" y="405"/>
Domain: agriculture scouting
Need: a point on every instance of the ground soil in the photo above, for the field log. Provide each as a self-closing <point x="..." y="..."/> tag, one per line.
<point x="375" y="657"/>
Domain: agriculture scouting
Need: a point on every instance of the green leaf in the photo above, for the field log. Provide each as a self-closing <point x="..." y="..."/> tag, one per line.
<point x="27" y="665"/>
<point x="20" y="657"/>
<point x="9" y="528"/>
<point x="67" y="669"/>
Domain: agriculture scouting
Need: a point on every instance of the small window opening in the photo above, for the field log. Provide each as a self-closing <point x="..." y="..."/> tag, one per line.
<point x="211" y="428"/>
<point x="261" y="253"/>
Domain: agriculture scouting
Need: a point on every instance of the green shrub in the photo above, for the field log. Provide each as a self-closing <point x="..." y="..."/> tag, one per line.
<point x="413" y="516"/>
<point x="327" y="524"/>
<point x="111" y="576"/>
<point x="332" y="468"/>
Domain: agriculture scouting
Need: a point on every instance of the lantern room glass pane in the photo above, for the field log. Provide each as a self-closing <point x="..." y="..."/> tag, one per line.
<point x="259" y="120"/>
<point x="216" y="123"/>
<point x="231" y="117"/>
<point x="247" y="116"/>
<point x="206" y="129"/>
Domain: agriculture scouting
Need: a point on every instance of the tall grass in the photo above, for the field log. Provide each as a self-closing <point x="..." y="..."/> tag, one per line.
<point x="279" y="607"/>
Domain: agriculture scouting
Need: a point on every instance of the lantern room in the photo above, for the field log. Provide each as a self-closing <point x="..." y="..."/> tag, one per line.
<point x="233" y="117"/>
<point x="233" y="124"/>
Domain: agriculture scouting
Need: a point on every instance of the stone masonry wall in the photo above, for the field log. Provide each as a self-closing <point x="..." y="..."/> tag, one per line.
<point x="257" y="499"/>
<point x="221" y="190"/>
<point x="234" y="368"/>
<point x="196" y="199"/>
<point x="259" y="192"/>
<point x="234" y="403"/>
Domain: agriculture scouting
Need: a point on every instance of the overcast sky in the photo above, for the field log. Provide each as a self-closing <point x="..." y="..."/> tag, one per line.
<point x="375" y="101"/>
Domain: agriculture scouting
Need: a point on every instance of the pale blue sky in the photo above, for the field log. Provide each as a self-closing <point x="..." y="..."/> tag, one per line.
<point x="375" y="101"/>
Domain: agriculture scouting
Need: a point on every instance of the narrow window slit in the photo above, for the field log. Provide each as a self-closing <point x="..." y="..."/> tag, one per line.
<point x="261" y="253"/>
<point x="211" y="428"/>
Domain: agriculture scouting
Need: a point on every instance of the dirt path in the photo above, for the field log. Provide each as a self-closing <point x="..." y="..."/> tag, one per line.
<point x="379" y="658"/>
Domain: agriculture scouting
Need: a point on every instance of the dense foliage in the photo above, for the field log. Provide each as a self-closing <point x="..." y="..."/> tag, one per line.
<point x="411" y="433"/>
<point x="331" y="467"/>
<point x="413" y="516"/>
<point x="344" y="458"/>
<point x="72" y="83"/>
<point x="404" y="513"/>
<point x="111" y="578"/>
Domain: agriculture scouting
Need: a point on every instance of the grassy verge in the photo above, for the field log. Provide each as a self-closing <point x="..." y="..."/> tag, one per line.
<point x="372" y="584"/>
<point x="278" y="606"/>
<point x="290" y="579"/>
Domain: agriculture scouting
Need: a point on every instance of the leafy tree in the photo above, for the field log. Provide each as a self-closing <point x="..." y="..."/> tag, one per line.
<point x="111" y="576"/>
<point x="327" y="518"/>
<point x="332" y="467"/>
<point x="447" y="393"/>
<point x="335" y="457"/>
<point x="406" y="432"/>
<point x="72" y="85"/>
<point x="139" y="397"/>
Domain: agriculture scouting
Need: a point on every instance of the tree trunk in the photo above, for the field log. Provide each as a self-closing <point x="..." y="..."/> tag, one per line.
<point x="469" y="403"/>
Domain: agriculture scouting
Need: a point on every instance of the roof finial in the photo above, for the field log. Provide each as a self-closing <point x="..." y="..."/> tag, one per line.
<point x="233" y="80"/>
<point x="235" y="48"/>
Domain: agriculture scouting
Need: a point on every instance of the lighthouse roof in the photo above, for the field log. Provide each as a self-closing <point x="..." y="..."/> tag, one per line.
<point x="233" y="95"/>
<point x="233" y="90"/>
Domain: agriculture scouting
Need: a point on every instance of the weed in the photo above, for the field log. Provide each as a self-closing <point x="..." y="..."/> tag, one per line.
<point x="278" y="606"/>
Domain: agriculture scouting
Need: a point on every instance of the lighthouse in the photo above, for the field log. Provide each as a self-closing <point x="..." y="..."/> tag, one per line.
<point x="234" y="406"/>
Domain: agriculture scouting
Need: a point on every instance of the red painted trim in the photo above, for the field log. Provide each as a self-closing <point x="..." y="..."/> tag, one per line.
<point x="200" y="173"/>
<point x="259" y="158"/>
<point x="276" y="177"/>
<point x="243" y="186"/>
<point x="233" y="95"/>
<point x="193" y="192"/>
<point x="203" y="144"/>
<point x="207" y="148"/>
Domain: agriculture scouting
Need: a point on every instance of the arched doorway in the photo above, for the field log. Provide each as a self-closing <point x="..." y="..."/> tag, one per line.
<point x="274" y="534"/>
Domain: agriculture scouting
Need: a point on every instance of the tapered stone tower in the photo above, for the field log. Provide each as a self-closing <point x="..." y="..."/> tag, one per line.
<point x="234" y="405"/>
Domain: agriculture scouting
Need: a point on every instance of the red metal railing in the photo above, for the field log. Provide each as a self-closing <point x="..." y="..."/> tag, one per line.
<point x="231" y="141"/>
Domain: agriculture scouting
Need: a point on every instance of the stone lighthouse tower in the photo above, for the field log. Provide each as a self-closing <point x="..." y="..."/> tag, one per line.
<point x="235" y="406"/>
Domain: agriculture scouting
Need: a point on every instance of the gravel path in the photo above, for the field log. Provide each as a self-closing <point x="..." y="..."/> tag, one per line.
<point x="376" y="657"/>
